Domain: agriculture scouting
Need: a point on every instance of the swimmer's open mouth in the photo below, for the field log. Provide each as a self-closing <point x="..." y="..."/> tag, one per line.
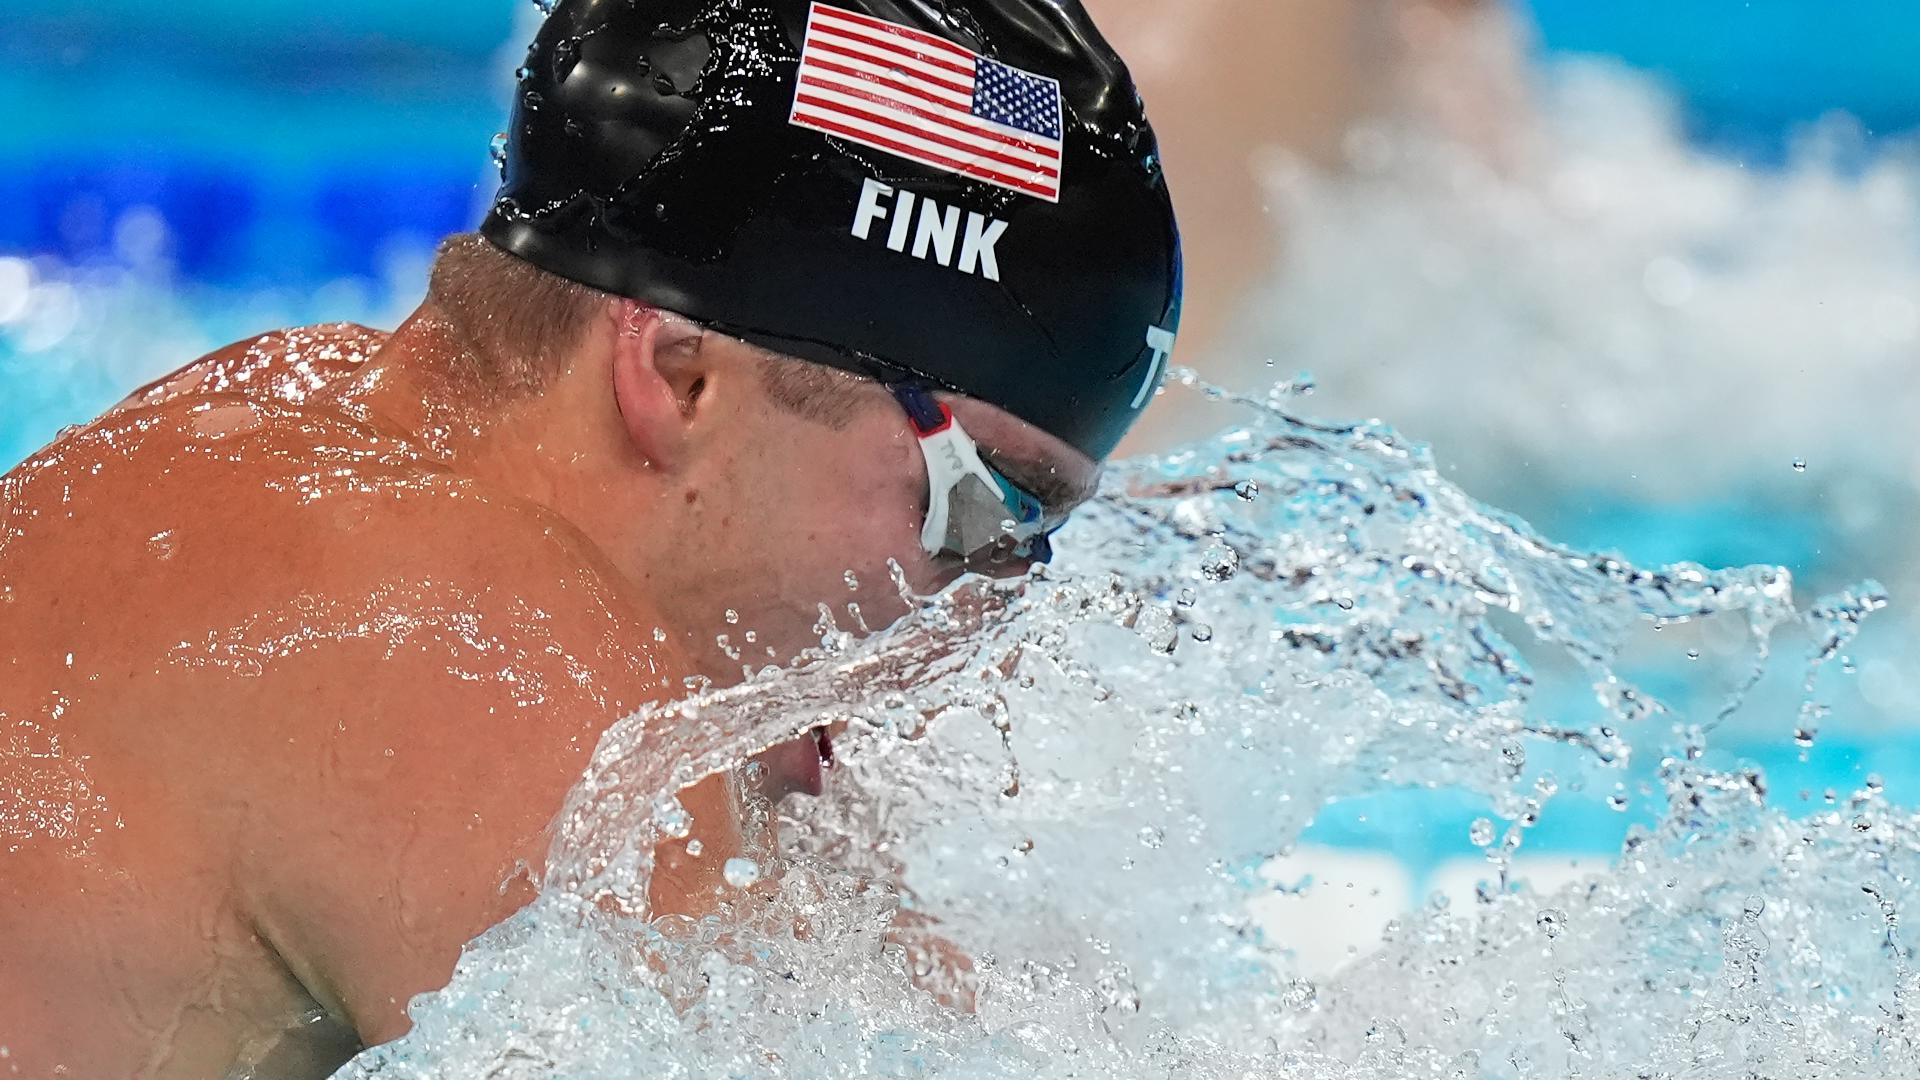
<point x="825" y="742"/>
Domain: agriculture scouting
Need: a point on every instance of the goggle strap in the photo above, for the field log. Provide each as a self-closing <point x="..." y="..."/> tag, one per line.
<point x="927" y="415"/>
<point x="951" y="458"/>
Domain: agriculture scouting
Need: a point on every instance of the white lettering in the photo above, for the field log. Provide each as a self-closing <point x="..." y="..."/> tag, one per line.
<point x="939" y="228"/>
<point x="937" y="233"/>
<point x="902" y="222"/>
<point x="1161" y="342"/>
<point x="871" y="209"/>
<point x="977" y="249"/>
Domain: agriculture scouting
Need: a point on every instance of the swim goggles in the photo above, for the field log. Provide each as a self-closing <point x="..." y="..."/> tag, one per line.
<point x="974" y="512"/>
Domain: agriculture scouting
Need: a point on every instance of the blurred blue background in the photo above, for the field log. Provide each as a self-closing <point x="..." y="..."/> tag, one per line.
<point x="174" y="177"/>
<point x="287" y="145"/>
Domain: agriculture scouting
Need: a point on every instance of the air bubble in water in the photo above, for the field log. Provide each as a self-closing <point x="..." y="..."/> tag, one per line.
<point x="1247" y="489"/>
<point x="1156" y="625"/>
<point x="741" y="873"/>
<point x="1220" y="562"/>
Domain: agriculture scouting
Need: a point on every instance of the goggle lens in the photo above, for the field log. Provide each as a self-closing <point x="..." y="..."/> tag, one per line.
<point x="974" y="511"/>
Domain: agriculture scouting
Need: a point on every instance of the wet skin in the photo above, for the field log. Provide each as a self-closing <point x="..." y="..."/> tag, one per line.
<point x="297" y="674"/>
<point x="279" y="731"/>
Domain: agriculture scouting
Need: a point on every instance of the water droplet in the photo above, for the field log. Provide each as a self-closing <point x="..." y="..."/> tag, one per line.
<point x="852" y="580"/>
<point x="498" y="151"/>
<point x="1481" y="832"/>
<point x="695" y="847"/>
<point x="161" y="545"/>
<point x="733" y="617"/>
<point x="1693" y="654"/>
<point x="1188" y="598"/>
<point x="1803" y="737"/>
<point x="1220" y="562"/>
<point x="660" y="635"/>
<point x="1617" y="802"/>
<point x="1157" y="627"/>
<point x="1799" y="465"/>
<point x="741" y="873"/>
<point x="1300" y="994"/>
<point x="546" y="6"/>
<point x="523" y="74"/>
<point x="1202" y="632"/>
<point x="1552" y="922"/>
<point x="672" y="817"/>
<point x="1152" y="836"/>
<point x="1247" y="489"/>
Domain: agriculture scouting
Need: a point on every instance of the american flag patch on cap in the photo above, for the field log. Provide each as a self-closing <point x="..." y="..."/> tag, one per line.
<point x="926" y="99"/>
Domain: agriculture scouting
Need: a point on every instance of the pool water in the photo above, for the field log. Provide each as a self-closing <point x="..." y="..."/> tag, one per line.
<point x="1638" y="344"/>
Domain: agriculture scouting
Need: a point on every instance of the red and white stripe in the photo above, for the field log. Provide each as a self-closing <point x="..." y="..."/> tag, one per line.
<point x="910" y="93"/>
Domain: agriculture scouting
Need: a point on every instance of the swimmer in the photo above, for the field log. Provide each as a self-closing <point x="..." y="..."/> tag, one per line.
<point x="305" y="645"/>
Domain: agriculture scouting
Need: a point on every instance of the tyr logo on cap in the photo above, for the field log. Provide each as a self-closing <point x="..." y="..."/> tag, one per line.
<point x="926" y="99"/>
<point x="1160" y="340"/>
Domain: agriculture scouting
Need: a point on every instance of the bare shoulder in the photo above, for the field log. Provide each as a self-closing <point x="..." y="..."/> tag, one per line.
<point x="284" y="365"/>
<point x="306" y="660"/>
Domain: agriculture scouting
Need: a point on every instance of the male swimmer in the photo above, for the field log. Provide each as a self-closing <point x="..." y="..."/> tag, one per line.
<point x="306" y="644"/>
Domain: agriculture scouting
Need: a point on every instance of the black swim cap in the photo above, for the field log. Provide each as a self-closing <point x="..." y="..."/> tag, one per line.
<point x="965" y="192"/>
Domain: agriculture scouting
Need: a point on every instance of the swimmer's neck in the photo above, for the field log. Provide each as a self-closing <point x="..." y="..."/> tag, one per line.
<point x="562" y="447"/>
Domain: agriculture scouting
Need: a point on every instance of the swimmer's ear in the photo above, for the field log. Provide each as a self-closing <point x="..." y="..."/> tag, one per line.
<point x="657" y="379"/>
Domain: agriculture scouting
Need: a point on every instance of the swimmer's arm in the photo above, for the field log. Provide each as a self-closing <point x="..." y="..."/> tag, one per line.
<point x="423" y="815"/>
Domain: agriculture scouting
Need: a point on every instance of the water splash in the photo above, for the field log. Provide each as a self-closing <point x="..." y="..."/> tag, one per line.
<point x="1052" y="809"/>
